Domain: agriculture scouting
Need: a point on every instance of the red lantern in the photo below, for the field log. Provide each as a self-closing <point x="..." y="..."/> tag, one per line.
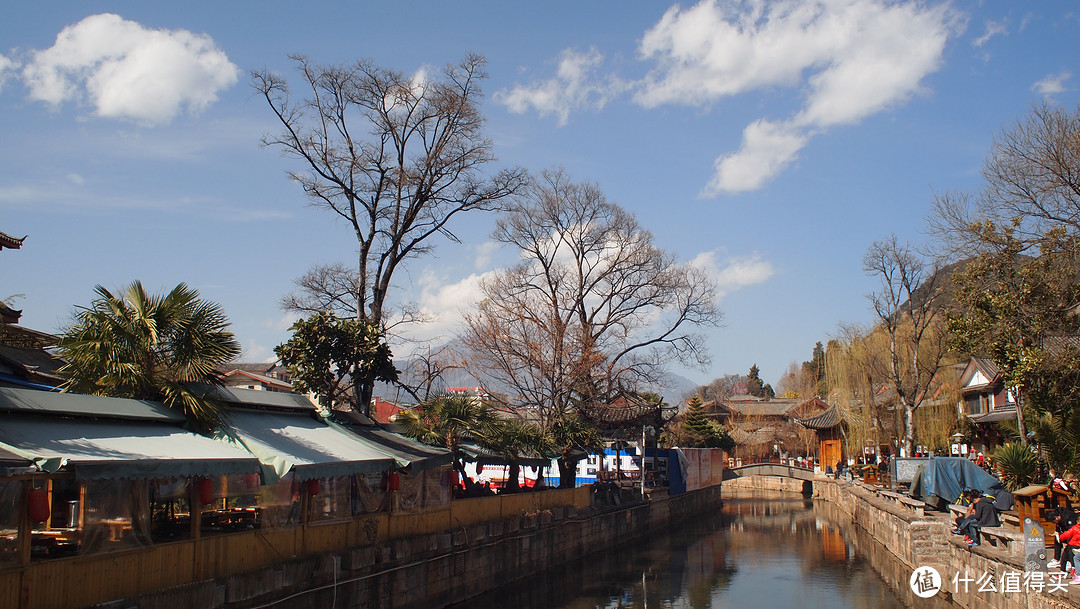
<point x="37" y="504"/>
<point x="393" y="481"/>
<point x="205" y="488"/>
<point x="313" y="487"/>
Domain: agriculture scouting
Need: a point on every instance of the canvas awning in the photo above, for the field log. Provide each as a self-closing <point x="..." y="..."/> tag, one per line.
<point x="300" y="444"/>
<point x="94" y="449"/>
<point x="405" y="451"/>
<point x="13" y="465"/>
<point x="483" y="456"/>
<point x="47" y="403"/>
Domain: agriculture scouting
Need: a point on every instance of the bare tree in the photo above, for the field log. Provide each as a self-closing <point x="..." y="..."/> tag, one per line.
<point x="721" y="388"/>
<point x="1021" y="231"/>
<point x="394" y="156"/>
<point x="1031" y="186"/>
<point x="910" y="314"/>
<point x="595" y="306"/>
<point x="427" y="368"/>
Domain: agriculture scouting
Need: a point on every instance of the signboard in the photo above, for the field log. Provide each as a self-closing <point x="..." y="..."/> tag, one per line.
<point x="1034" y="546"/>
<point x="904" y="468"/>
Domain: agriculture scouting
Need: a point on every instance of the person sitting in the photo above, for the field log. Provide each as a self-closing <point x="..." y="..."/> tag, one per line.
<point x="968" y="498"/>
<point x="983" y="515"/>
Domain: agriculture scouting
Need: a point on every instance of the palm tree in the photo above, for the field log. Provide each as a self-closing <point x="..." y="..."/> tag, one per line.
<point x="135" y="345"/>
<point x="449" y="420"/>
<point x="573" y="437"/>
<point x="516" y="440"/>
<point x="1017" y="463"/>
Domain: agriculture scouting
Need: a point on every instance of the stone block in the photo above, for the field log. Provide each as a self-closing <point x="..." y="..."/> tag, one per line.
<point x="358" y="559"/>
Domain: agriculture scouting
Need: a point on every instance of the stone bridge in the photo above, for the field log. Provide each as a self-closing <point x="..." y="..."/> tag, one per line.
<point x="776" y="470"/>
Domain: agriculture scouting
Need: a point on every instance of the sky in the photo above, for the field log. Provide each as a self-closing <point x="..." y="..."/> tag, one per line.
<point x="768" y="143"/>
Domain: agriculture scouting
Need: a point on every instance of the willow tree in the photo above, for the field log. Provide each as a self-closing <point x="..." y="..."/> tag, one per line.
<point x="856" y="369"/>
<point x="394" y="156"/>
<point x="594" y="306"/>
<point x="910" y="310"/>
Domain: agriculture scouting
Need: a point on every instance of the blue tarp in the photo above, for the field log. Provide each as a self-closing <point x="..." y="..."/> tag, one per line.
<point x="947" y="477"/>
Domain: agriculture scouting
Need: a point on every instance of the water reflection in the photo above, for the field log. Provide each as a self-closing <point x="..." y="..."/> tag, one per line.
<point x="757" y="552"/>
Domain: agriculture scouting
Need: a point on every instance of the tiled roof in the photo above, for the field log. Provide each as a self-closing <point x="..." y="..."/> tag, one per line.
<point x="262" y="378"/>
<point x="826" y="420"/>
<point x="10" y="242"/>
<point x="1001" y="413"/>
<point x="773" y="408"/>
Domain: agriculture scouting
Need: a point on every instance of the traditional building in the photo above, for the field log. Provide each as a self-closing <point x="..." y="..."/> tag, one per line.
<point x="984" y="402"/>
<point x="829" y="428"/>
<point x="264" y="376"/>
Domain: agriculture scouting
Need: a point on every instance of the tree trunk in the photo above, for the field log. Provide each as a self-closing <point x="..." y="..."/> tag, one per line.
<point x="909" y="431"/>
<point x="512" y="477"/>
<point x="567" y="472"/>
<point x="1020" y="427"/>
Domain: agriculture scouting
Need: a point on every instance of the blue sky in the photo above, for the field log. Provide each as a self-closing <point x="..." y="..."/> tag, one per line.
<point x="770" y="143"/>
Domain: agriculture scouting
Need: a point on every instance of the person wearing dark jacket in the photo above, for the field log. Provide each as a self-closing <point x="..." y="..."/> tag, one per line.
<point x="984" y="515"/>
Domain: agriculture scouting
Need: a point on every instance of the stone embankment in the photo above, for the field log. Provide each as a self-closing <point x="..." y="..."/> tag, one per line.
<point x="435" y="570"/>
<point x="899" y="534"/>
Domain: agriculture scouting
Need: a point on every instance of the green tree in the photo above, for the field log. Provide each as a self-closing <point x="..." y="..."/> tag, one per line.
<point x="573" y="438"/>
<point x="814" y="372"/>
<point x="136" y="345"/>
<point x="516" y="440"/>
<point x="1021" y="230"/>
<point x="335" y="358"/>
<point x="1015" y="308"/>
<point x="757" y="387"/>
<point x="704" y="432"/>
<point x="1017" y="463"/>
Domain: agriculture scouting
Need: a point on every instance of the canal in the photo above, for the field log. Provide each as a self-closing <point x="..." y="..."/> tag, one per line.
<point x="758" y="552"/>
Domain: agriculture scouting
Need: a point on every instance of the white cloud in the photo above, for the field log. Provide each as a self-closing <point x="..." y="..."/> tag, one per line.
<point x="443" y="304"/>
<point x="573" y="87"/>
<point x="75" y="178"/>
<point x="484" y="253"/>
<point x="124" y="70"/>
<point x="767" y="149"/>
<point x="853" y="58"/>
<point x="848" y="58"/>
<point x="993" y="28"/>
<point x="732" y="274"/>
<point x="7" y="68"/>
<point x="1052" y="84"/>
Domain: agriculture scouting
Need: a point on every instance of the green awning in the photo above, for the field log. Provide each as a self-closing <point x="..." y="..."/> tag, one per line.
<point x="94" y="449"/>
<point x="300" y="444"/>
<point x="406" y="452"/>
<point x="33" y="401"/>
<point x="482" y="456"/>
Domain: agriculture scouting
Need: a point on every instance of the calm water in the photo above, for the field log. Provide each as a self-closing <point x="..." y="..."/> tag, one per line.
<point x="755" y="553"/>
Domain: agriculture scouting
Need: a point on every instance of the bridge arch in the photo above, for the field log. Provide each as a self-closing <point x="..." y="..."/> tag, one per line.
<point x="773" y="470"/>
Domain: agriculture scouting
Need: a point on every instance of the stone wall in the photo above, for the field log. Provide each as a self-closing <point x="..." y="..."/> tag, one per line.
<point x="898" y="534"/>
<point x="435" y="570"/>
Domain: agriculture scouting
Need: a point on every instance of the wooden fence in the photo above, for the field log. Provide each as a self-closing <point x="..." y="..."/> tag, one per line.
<point x="78" y="581"/>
